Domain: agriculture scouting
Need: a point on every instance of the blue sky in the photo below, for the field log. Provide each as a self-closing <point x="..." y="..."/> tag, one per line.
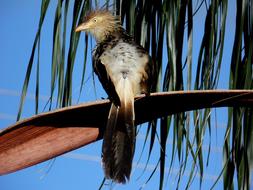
<point x="81" y="169"/>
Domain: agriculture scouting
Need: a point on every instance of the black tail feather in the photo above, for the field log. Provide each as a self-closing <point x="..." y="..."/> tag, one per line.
<point x="119" y="140"/>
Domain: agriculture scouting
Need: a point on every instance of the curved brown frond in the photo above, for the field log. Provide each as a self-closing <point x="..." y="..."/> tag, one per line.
<point x="50" y="134"/>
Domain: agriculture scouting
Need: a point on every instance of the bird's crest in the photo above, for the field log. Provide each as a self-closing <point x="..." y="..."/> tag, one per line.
<point x="102" y="13"/>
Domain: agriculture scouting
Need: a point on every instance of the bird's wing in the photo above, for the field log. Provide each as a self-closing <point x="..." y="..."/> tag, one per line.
<point x="105" y="79"/>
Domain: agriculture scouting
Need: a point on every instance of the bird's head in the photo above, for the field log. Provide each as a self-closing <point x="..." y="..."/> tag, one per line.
<point x="100" y="23"/>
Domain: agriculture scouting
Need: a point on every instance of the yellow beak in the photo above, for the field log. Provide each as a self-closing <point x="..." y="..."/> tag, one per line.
<point x="81" y="27"/>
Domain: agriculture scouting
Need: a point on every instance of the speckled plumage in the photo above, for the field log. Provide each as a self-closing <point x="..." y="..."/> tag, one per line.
<point x="124" y="68"/>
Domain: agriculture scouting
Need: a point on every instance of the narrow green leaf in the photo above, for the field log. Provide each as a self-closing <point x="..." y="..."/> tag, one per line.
<point x="153" y="126"/>
<point x="220" y="175"/>
<point x="44" y="6"/>
<point x="102" y="184"/>
<point x="84" y="65"/>
<point x="151" y="175"/>
<point x="74" y="39"/>
<point x="190" y="43"/>
<point x="37" y="79"/>
<point x="62" y="57"/>
<point x="144" y="143"/>
<point x="56" y="56"/>
<point x="164" y="129"/>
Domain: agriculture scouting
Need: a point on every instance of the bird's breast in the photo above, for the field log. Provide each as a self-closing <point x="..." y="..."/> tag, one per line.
<point x="126" y="61"/>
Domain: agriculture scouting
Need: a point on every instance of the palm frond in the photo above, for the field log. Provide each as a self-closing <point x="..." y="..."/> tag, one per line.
<point x="166" y="30"/>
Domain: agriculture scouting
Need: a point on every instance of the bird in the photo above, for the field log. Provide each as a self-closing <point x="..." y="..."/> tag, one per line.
<point x="125" y="70"/>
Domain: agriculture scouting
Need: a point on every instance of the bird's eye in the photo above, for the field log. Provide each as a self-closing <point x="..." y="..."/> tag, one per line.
<point x="94" y="20"/>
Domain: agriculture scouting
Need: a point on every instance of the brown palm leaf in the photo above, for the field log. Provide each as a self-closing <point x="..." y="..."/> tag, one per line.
<point x="51" y="134"/>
